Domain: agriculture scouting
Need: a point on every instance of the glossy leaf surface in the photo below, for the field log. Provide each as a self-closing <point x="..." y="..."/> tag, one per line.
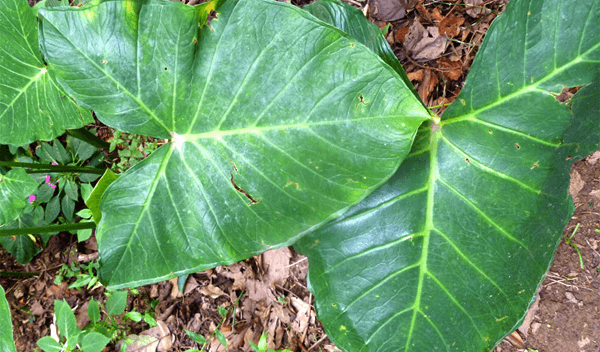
<point x="352" y="21"/>
<point x="32" y="106"/>
<point x="277" y="122"/>
<point x="448" y="254"/>
<point x="7" y="344"/>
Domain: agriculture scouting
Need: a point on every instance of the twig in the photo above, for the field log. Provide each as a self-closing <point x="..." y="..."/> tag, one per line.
<point x="318" y="342"/>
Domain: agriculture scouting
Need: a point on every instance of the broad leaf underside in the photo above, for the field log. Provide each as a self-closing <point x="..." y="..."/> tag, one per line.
<point x="278" y="123"/>
<point x="32" y="106"/>
<point x="448" y="254"/>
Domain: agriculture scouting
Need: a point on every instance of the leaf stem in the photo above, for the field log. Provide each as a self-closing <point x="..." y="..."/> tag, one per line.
<point x="48" y="229"/>
<point x="88" y="137"/>
<point x="40" y="168"/>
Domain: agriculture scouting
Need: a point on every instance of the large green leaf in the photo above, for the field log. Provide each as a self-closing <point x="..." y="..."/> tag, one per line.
<point x="15" y="187"/>
<point x="32" y="106"/>
<point x="278" y="123"/>
<point x="7" y="344"/>
<point x="448" y="254"/>
<point x="352" y="21"/>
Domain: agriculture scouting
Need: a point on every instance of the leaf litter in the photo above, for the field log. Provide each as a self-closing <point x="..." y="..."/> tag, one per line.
<point x="436" y="43"/>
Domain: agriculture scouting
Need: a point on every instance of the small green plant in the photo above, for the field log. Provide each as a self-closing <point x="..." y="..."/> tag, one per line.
<point x="59" y="180"/>
<point x="85" y="274"/>
<point x="98" y="333"/>
<point x="262" y="345"/>
<point x="569" y="242"/>
<point x="223" y="312"/>
<point x="131" y="148"/>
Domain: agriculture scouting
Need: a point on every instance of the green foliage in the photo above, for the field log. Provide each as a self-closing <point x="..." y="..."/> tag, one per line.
<point x="85" y="275"/>
<point x="247" y="159"/>
<point x="131" y="149"/>
<point x="262" y="345"/>
<point x="297" y="139"/>
<point x="39" y="197"/>
<point x="6" y="333"/>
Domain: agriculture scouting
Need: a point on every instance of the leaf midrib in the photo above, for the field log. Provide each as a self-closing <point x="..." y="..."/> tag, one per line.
<point x="523" y="90"/>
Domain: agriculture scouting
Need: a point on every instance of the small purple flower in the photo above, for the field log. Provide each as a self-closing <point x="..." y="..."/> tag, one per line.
<point x="49" y="183"/>
<point x="31" y="198"/>
<point x="53" y="163"/>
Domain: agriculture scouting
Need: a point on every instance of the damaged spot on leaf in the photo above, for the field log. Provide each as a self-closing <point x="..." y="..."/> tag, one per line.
<point x="239" y="189"/>
<point x="517" y="146"/>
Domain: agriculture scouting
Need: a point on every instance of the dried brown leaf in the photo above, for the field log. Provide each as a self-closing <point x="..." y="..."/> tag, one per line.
<point x="450" y="26"/>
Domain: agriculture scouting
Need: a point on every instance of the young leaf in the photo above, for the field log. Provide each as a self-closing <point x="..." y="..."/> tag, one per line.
<point x="93" y="311"/>
<point x="221" y="337"/>
<point x="116" y="302"/>
<point x="135" y="316"/>
<point x="94" y="342"/>
<point x="32" y="106"/>
<point x="7" y="344"/>
<point x="150" y="320"/>
<point x="449" y="253"/>
<point x="15" y="187"/>
<point x="196" y="337"/>
<point x="93" y="202"/>
<point x="66" y="322"/>
<point x="250" y="166"/>
<point x="49" y="344"/>
<point x="222" y="311"/>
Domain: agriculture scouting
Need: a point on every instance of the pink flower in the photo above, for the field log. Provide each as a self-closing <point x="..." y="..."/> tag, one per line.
<point x="49" y="183"/>
<point x="31" y="198"/>
<point x="53" y="163"/>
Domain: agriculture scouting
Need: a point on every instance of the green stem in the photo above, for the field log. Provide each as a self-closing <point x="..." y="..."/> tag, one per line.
<point x="88" y="137"/>
<point x="40" y="168"/>
<point x="19" y="273"/>
<point x="48" y="229"/>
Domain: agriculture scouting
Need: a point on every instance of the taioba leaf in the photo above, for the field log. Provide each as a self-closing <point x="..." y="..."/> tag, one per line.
<point x="32" y="106"/>
<point x="7" y="344"/>
<point x="449" y="253"/>
<point x="278" y="123"/>
<point x="352" y="21"/>
<point x="15" y="187"/>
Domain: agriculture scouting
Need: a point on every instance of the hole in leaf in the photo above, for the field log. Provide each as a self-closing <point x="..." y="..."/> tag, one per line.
<point x="490" y="132"/>
<point x="517" y="146"/>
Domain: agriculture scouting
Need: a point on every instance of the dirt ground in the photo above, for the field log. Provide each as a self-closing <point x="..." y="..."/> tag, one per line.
<point x="565" y="317"/>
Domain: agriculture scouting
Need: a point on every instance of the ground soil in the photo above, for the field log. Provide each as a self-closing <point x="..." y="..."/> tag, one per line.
<point x="564" y="318"/>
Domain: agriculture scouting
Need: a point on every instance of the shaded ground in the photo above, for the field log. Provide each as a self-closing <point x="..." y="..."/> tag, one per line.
<point x="272" y="286"/>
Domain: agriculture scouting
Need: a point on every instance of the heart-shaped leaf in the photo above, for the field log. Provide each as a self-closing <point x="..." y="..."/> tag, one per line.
<point x="32" y="106"/>
<point x="278" y="123"/>
<point x="448" y="254"/>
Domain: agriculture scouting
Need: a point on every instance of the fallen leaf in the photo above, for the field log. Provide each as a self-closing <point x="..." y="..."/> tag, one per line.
<point x="453" y="75"/>
<point x="593" y="159"/>
<point x="424" y="44"/>
<point x="416" y="75"/>
<point x="390" y="10"/>
<point x="450" y="26"/>
<point x="576" y="185"/>
<point x="37" y="309"/>
<point x="276" y="266"/>
<point x="474" y="10"/>
<point x="162" y="334"/>
<point x="300" y="324"/>
<point x="430" y="80"/>
<point x="141" y="343"/>
<point x="400" y="34"/>
<point x="211" y="291"/>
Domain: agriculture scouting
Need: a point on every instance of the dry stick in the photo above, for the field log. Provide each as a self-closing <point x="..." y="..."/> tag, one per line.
<point x="317" y="343"/>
